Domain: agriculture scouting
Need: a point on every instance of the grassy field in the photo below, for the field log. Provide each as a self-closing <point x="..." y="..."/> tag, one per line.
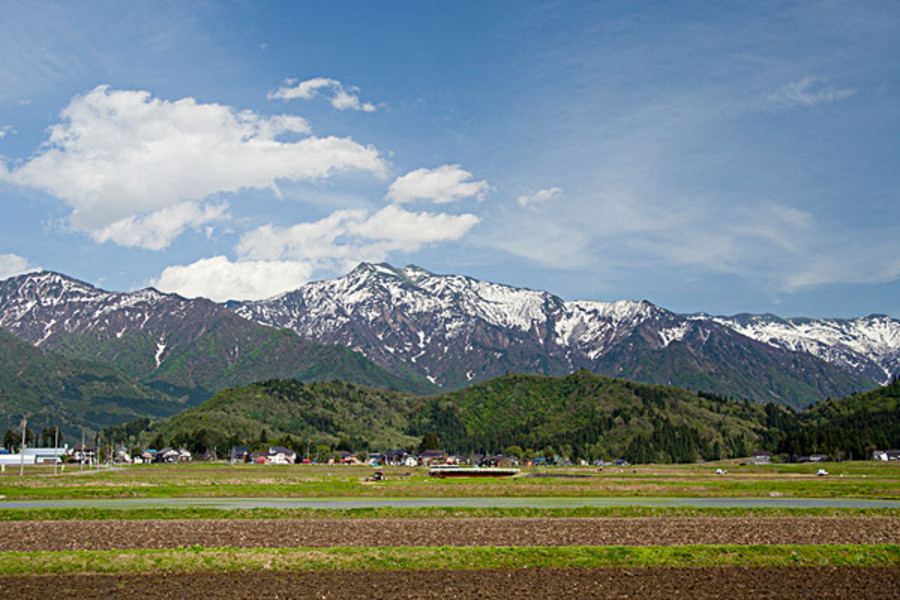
<point x="198" y="558"/>
<point x="865" y="480"/>
<point x="53" y="570"/>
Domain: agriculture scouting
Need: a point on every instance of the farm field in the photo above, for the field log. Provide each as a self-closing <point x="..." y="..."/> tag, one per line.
<point x="801" y="583"/>
<point x="864" y="480"/>
<point x="493" y="549"/>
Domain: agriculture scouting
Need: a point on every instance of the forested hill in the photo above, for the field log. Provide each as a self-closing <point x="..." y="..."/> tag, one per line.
<point x="581" y="416"/>
<point x="587" y="416"/>
<point x="849" y="427"/>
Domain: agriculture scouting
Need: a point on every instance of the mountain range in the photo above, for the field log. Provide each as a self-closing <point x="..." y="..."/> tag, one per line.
<point x="411" y="330"/>
<point x="456" y="330"/>
<point x="182" y="349"/>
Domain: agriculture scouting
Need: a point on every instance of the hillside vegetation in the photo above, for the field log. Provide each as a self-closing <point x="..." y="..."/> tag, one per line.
<point x="849" y="427"/>
<point x="579" y="416"/>
<point x="70" y="393"/>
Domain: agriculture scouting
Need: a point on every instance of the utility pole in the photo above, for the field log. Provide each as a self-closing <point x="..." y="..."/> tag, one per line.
<point x="22" y="448"/>
<point x="55" y="444"/>
<point x="81" y="458"/>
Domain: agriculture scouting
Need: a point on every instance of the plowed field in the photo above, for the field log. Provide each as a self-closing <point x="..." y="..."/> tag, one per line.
<point x="695" y="584"/>
<point x="108" y="535"/>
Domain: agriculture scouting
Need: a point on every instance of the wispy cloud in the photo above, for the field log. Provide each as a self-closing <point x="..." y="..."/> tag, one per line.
<point x="13" y="264"/>
<point x="539" y="197"/>
<point x="341" y="96"/>
<point x="808" y="91"/>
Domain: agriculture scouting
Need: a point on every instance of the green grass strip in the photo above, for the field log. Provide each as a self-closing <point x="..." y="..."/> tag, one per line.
<point x="197" y="558"/>
<point x="138" y="514"/>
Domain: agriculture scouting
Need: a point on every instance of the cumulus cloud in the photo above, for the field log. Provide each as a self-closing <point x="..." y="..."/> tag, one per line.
<point x="220" y="279"/>
<point x="272" y="260"/>
<point x="348" y="236"/>
<point x="157" y="229"/>
<point x="342" y="97"/>
<point x="539" y="197"/>
<point x="13" y="264"/>
<point x="808" y="92"/>
<point x="125" y="162"/>
<point x="441" y="185"/>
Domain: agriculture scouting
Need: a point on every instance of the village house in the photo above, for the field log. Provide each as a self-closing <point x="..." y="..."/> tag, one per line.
<point x="762" y="457"/>
<point x="886" y="455"/>
<point x="83" y="453"/>
<point x="239" y="454"/>
<point x="171" y="455"/>
<point x="431" y="456"/>
<point x="279" y="455"/>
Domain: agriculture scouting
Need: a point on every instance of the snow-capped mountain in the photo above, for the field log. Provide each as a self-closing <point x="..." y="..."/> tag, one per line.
<point x="869" y="346"/>
<point x="185" y="347"/>
<point x="449" y="329"/>
<point x="455" y="329"/>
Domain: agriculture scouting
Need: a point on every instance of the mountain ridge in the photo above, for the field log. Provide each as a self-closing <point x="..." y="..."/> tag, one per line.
<point x="456" y="330"/>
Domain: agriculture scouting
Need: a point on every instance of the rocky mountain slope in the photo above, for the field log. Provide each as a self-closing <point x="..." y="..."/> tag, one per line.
<point x="456" y="330"/>
<point x="186" y="348"/>
<point x="868" y="346"/>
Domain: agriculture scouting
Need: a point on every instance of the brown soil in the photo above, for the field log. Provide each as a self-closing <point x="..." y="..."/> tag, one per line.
<point x="694" y="584"/>
<point x="103" y="535"/>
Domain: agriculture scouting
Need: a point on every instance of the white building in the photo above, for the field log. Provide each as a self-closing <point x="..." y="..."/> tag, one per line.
<point x="35" y="456"/>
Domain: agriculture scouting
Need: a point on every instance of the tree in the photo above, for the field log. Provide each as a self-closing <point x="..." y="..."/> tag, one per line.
<point x="51" y="435"/>
<point x="430" y="441"/>
<point x="514" y="451"/>
<point x="158" y="442"/>
<point x="322" y="451"/>
<point x="10" y="440"/>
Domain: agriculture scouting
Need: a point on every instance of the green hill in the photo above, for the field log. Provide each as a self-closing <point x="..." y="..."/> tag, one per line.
<point x="590" y="416"/>
<point x="312" y="413"/>
<point x="70" y="393"/>
<point x="581" y="415"/>
<point x="849" y="427"/>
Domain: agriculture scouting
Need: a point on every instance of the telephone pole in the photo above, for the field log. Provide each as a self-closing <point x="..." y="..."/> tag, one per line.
<point x="22" y="448"/>
<point x="55" y="444"/>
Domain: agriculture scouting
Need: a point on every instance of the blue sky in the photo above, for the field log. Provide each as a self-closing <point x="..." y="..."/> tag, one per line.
<point x="724" y="157"/>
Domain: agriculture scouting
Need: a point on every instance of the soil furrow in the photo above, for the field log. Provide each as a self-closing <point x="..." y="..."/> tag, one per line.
<point x="108" y="535"/>
<point x="800" y="583"/>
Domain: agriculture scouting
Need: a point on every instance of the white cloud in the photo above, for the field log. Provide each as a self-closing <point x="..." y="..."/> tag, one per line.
<point x="807" y="92"/>
<point x="343" y="97"/>
<point x="539" y="197"/>
<point x="441" y="185"/>
<point x="4" y="130"/>
<point x="219" y="279"/>
<point x="348" y="236"/>
<point x="156" y="230"/>
<point x="272" y="260"/>
<point x="13" y="264"/>
<point x="124" y="161"/>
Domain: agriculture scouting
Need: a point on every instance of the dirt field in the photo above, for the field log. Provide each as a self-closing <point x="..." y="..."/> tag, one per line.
<point x="695" y="584"/>
<point x="106" y="535"/>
